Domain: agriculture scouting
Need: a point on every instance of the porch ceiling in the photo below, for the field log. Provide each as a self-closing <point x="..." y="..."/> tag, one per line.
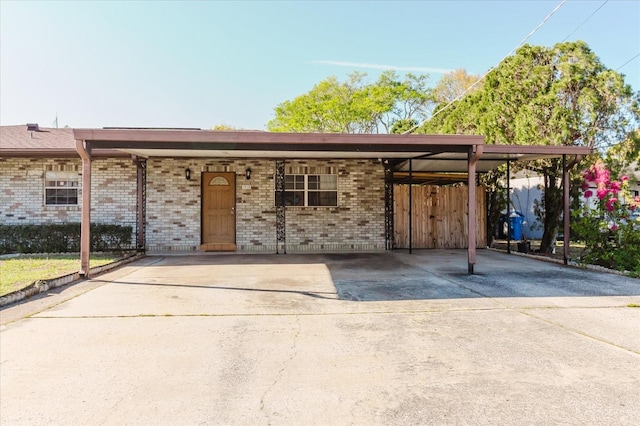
<point x="273" y="154"/>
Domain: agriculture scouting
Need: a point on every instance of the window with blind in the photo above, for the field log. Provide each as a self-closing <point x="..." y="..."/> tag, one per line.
<point x="61" y="188"/>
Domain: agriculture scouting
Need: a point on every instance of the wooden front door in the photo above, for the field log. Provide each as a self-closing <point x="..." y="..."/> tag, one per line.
<point x="218" y="212"/>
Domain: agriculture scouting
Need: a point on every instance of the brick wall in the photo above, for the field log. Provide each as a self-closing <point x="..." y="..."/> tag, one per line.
<point x="173" y="203"/>
<point x="358" y="221"/>
<point x="357" y="224"/>
<point x="22" y="191"/>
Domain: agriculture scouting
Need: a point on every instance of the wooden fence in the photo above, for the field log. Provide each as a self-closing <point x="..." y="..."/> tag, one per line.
<point x="439" y="216"/>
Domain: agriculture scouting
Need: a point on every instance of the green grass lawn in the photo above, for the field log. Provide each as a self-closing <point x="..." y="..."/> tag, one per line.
<point x="17" y="273"/>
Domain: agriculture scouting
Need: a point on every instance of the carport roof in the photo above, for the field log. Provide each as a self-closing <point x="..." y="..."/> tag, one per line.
<point x="445" y="152"/>
<point x="492" y="157"/>
<point x="259" y="144"/>
<point x="434" y="153"/>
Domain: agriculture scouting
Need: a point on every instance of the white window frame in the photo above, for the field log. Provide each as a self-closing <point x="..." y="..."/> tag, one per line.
<point x="62" y="181"/>
<point x="305" y="190"/>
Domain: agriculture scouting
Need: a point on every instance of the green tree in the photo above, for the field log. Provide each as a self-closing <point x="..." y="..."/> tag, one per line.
<point x="403" y="126"/>
<point x="561" y="95"/>
<point x="625" y="156"/>
<point x="355" y="106"/>
<point x="454" y="84"/>
<point x="224" y="127"/>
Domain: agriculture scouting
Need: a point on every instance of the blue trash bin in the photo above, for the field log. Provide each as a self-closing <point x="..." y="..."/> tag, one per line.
<point x="515" y="225"/>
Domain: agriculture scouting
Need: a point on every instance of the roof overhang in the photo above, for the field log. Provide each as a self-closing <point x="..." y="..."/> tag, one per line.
<point x="493" y="156"/>
<point x="429" y="153"/>
<point x="59" y="153"/>
<point x="255" y="144"/>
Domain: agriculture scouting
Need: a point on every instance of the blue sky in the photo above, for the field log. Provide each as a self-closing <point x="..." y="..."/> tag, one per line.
<point x="198" y="64"/>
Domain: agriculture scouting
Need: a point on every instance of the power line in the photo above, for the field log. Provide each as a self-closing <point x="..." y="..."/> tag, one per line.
<point x="544" y="21"/>
<point x="585" y="21"/>
<point x="617" y="69"/>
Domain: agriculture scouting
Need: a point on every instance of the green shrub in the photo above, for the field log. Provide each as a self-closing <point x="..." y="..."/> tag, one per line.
<point x="610" y="232"/>
<point x="614" y="249"/>
<point x="62" y="238"/>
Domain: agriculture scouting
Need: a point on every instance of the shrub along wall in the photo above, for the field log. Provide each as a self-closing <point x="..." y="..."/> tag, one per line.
<point x="62" y="238"/>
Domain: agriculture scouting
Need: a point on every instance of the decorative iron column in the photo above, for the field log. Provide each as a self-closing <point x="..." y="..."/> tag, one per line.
<point x="281" y="234"/>
<point x="141" y="204"/>
<point x="388" y="205"/>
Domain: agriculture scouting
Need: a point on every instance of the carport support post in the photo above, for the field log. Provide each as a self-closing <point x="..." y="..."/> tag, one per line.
<point x="85" y="224"/>
<point x="565" y="211"/>
<point x="410" y="206"/>
<point x="475" y="152"/>
<point x="508" y="206"/>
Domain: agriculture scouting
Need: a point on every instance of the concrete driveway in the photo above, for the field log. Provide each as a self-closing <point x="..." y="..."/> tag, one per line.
<point x="327" y="340"/>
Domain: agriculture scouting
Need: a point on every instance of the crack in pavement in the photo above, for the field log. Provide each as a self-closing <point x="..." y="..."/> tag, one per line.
<point x="293" y="352"/>
<point x="500" y="307"/>
<point x="577" y="331"/>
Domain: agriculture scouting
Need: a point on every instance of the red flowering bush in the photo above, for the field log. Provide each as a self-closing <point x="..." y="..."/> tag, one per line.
<point x="606" y="224"/>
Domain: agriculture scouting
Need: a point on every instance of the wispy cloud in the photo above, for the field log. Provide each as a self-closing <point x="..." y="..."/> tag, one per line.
<point x="384" y="67"/>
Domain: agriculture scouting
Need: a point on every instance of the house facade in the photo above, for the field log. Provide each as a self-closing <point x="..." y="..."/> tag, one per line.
<point x="245" y="191"/>
<point x="335" y="204"/>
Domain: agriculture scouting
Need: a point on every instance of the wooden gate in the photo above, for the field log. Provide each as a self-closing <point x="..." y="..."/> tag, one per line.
<point x="439" y="216"/>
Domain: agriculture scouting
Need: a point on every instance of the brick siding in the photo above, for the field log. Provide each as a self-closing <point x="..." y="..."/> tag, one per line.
<point x="357" y="224"/>
<point x="174" y="203"/>
<point x="113" y="188"/>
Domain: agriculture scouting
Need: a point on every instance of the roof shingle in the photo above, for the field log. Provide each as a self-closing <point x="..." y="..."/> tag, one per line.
<point x="19" y="138"/>
<point x="18" y="141"/>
